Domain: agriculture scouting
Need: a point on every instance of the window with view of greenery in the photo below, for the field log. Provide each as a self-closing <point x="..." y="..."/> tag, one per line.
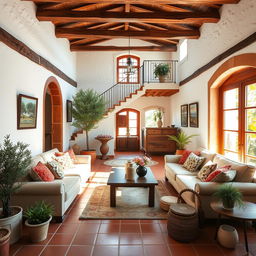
<point x="149" y="118"/>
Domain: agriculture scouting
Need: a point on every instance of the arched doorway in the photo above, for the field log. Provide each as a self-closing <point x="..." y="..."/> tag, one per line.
<point x="232" y="77"/>
<point x="128" y="130"/>
<point x="52" y="116"/>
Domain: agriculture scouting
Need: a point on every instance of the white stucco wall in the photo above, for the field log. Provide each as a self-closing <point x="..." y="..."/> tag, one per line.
<point x="20" y="75"/>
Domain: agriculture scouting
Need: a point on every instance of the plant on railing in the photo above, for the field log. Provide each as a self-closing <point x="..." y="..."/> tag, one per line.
<point x="88" y="110"/>
<point x="161" y="71"/>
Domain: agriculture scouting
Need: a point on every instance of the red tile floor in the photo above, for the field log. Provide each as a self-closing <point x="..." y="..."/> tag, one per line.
<point x="124" y="238"/>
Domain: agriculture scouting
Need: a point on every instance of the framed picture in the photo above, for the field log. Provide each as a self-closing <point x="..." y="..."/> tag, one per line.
<point x="193" y="115"/>
<point x="69" y="111"/>
<point x="184" y="115"/>
<point x="26" y="112"/>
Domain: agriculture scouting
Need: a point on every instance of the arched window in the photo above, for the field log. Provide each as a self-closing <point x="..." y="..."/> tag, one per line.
<point x="123" y="75"/>
<point x="238" y="117"/>
<point x="150" y="120"/>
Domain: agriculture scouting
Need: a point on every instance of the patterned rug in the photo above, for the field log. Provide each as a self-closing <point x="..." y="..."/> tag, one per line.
<point x="131" y="203"/>
<point x="122" y="162"/>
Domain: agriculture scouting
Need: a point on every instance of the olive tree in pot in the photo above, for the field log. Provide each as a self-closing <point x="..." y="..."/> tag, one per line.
<point x="88" y="109"/>
<point x="229" y="195"/>
<point x="161" y="71"/>
<point x="181" y="139"/>
<point x="38" y="219"/>
<point x="14" y="162"/>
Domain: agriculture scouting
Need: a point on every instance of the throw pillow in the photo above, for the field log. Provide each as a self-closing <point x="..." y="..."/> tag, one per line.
<point x="41" y="173"/>
<point x="212" y="175"/>
<point x="56" y="168"/>
<point x="206" y="170"/>
<point x="186" y="154"/>
<point x="193" y="162"/>
<point x="226" y="176"/>
<point x="65" y="161"/>
<point x="70" y="152"/>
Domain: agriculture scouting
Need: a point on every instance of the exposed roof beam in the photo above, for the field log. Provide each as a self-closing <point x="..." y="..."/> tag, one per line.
<point x="123" y="48"/>
<point x="142" y="1"/>
<point x="157" y="17"/>
<point x="150" y="34"/>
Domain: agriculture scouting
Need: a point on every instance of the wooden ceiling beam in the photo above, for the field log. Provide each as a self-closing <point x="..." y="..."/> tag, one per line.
<point x="187" y="2"/>
<point x="156" y="17"/>
<point x="122" y="48"/>
<point x="87" y="42"/>
<point x="150" y="34"/>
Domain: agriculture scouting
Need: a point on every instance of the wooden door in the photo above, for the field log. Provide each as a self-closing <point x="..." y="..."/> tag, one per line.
<point x="127" y="130"/>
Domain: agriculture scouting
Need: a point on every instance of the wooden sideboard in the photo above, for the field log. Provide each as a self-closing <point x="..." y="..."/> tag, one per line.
<point x="154" y="140"/>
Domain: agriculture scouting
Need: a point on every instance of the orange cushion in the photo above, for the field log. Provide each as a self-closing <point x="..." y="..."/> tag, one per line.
<point x="42" y="172"/>
<point x="186" y="154"/>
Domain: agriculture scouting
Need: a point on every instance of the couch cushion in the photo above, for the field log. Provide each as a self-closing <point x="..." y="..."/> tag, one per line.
<point x="40" y="172"/>
<point x="209" y="156"/>
<point x="176" y="169"/>
<point x="243" y="174"/>
<point x="81" y="170"/>
<point x="193" y="162"/>
<point x="47" y="156"/>
<point x="70" y="183"/>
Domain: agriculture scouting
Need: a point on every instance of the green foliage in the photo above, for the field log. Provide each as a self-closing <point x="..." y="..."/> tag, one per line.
<point x="39" y="213"/>
<point x="14" y="162"/>
<point x="88" y="110"/>
<point x="161" y="69"/>
<point x="158" y="115"/>
<point x="228" y="193"/>
<point x="181" y="139"/>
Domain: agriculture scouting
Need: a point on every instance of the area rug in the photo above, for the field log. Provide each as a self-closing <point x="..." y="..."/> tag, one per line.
<point x="122" y="162"/>
<point x="131" y="203"/>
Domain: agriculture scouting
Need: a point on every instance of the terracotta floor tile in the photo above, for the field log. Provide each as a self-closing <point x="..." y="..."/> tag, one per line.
<point x="84" y="239"/>
<point x="170" y="240"/>
<point x="89" y="227"/>
<point x="61" y="239"/>
<point x="54" y="250"/>
<point x="53" y="227"/>
<point x="184" y="250"/>
<point x="130" y="228"/>
<point x="107" y="239"/>
<point x="72" y="219"/>
<point x="109" y="228"/>
<point x="130" y="221"/>
<point x="80" y="250"/>
<point x="153" y="250"/>
<point x="130" y="238"/>
<point x="131" y="250"/>
<point x="163" y="227"/>
<point x="14" y="248"/>
<point x="30" y="250"/>
<point x="155" y="238"/>
<point x="111" y="221"/>
<point x="238" y="251"/>
<point x="209" y="250"/>
<point x="26" y="240"/>
<point x="149" y="221"/>
<point x="68" y="228"/>
<point x="101" y="250"/>
<point x="150" y="228"/>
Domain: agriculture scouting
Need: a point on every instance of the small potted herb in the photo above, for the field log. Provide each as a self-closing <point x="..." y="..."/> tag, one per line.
<point x="161" y="71"/>
<point x="38" y="219"/>
<point x="229" y="195"/>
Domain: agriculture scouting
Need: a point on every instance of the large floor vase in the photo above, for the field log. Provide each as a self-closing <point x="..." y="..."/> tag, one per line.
<point x="14" y="223"/>
<point x="38" y="232"/>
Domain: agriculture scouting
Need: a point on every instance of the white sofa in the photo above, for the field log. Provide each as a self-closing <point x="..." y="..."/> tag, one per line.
<point x="60" y="193"/>
<point x="180" y="179"/>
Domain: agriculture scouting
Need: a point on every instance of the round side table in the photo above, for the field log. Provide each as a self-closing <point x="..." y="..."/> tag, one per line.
<point x="244" y="213"/>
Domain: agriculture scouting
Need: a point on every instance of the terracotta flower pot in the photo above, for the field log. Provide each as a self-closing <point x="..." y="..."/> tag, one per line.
<point x="180" y="151"/>
<point x="4" y="241"/>
<point x="38" y="232"/>
<point x="162" y="79"/>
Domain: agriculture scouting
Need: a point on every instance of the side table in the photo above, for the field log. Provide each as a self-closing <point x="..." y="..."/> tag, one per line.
<point x="244" y="213"/>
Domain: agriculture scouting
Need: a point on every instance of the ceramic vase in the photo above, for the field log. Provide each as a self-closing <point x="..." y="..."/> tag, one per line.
<point x="228" y="236"/>
<point x="141" y="171"/>
<point x="129" y="171"/>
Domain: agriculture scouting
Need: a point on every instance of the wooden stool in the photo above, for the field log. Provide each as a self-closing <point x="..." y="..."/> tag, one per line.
<point x="165" y="202"/>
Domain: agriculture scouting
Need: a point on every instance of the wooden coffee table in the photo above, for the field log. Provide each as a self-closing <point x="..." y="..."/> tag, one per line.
<point x="117" y="179"/>
<point x="245" y="213"/>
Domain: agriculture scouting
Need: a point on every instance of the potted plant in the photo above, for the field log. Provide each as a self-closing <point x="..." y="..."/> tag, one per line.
<point x="38" y="219"/>
<point x="88" y="110"/>
<point x="161" y="71"/>
<point x="158" y="117"/>
<point x="181" y="139"/>
<point x="14" y="162"/>
<point x="4" y="241"/>
<point x="229" y="195"/>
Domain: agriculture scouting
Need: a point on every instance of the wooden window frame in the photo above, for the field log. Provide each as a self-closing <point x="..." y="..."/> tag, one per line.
<point x="118" y="67"/>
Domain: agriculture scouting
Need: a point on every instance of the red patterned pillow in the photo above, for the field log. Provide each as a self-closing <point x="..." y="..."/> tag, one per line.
<point x="70" y="152"/>
<point x="41" y="173"/>
<point x="186" y="154"/>
<point x="215" y="173"/>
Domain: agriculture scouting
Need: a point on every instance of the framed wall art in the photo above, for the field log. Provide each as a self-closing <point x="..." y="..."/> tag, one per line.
<point x="193" y="115"/>
<point x="26" y="112"/>
<point x="69" y="111"/>
<point x="184" y="115"/>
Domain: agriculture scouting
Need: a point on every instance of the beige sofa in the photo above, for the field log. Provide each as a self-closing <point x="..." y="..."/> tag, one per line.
<point x="180" y="179"/>
<point x="59" y="193"/>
